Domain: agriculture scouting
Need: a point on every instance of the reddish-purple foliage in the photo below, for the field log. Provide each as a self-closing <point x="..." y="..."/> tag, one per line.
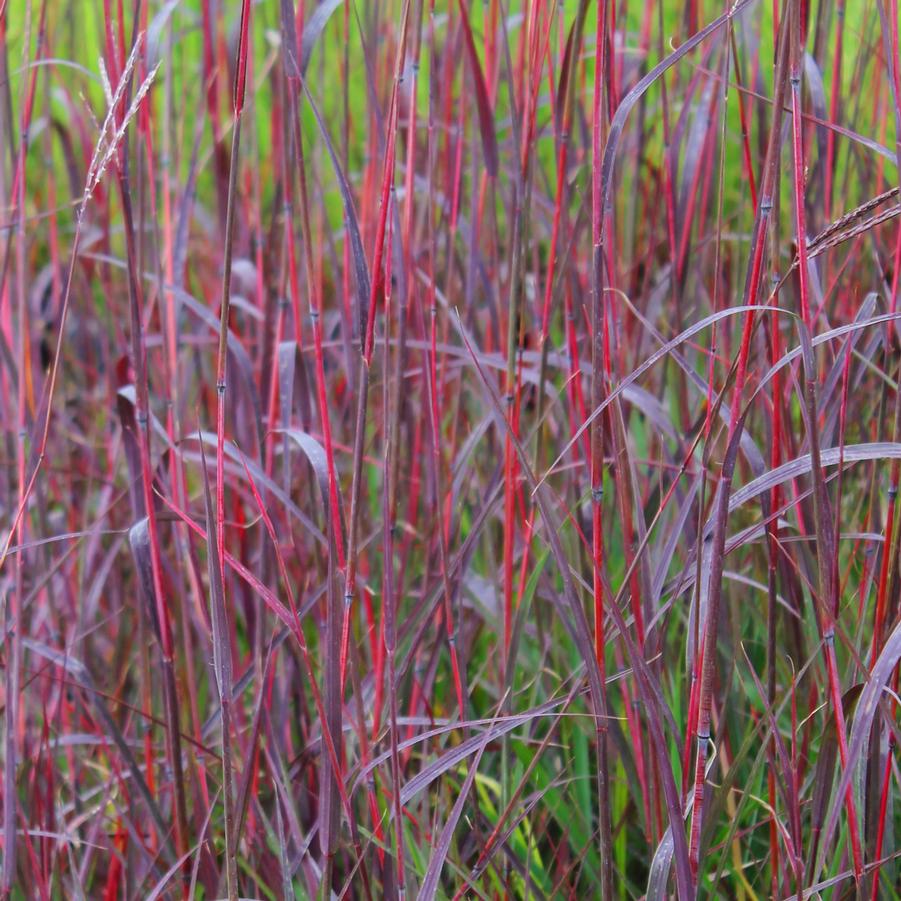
<point x="449" y="449"/>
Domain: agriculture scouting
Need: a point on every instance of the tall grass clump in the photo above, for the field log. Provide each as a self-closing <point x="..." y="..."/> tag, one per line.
<point x="450" y="449"/>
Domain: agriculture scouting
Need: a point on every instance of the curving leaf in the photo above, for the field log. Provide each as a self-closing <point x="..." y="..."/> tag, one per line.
<point x="312" y="30"/>
<point x="486" y="115"/>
